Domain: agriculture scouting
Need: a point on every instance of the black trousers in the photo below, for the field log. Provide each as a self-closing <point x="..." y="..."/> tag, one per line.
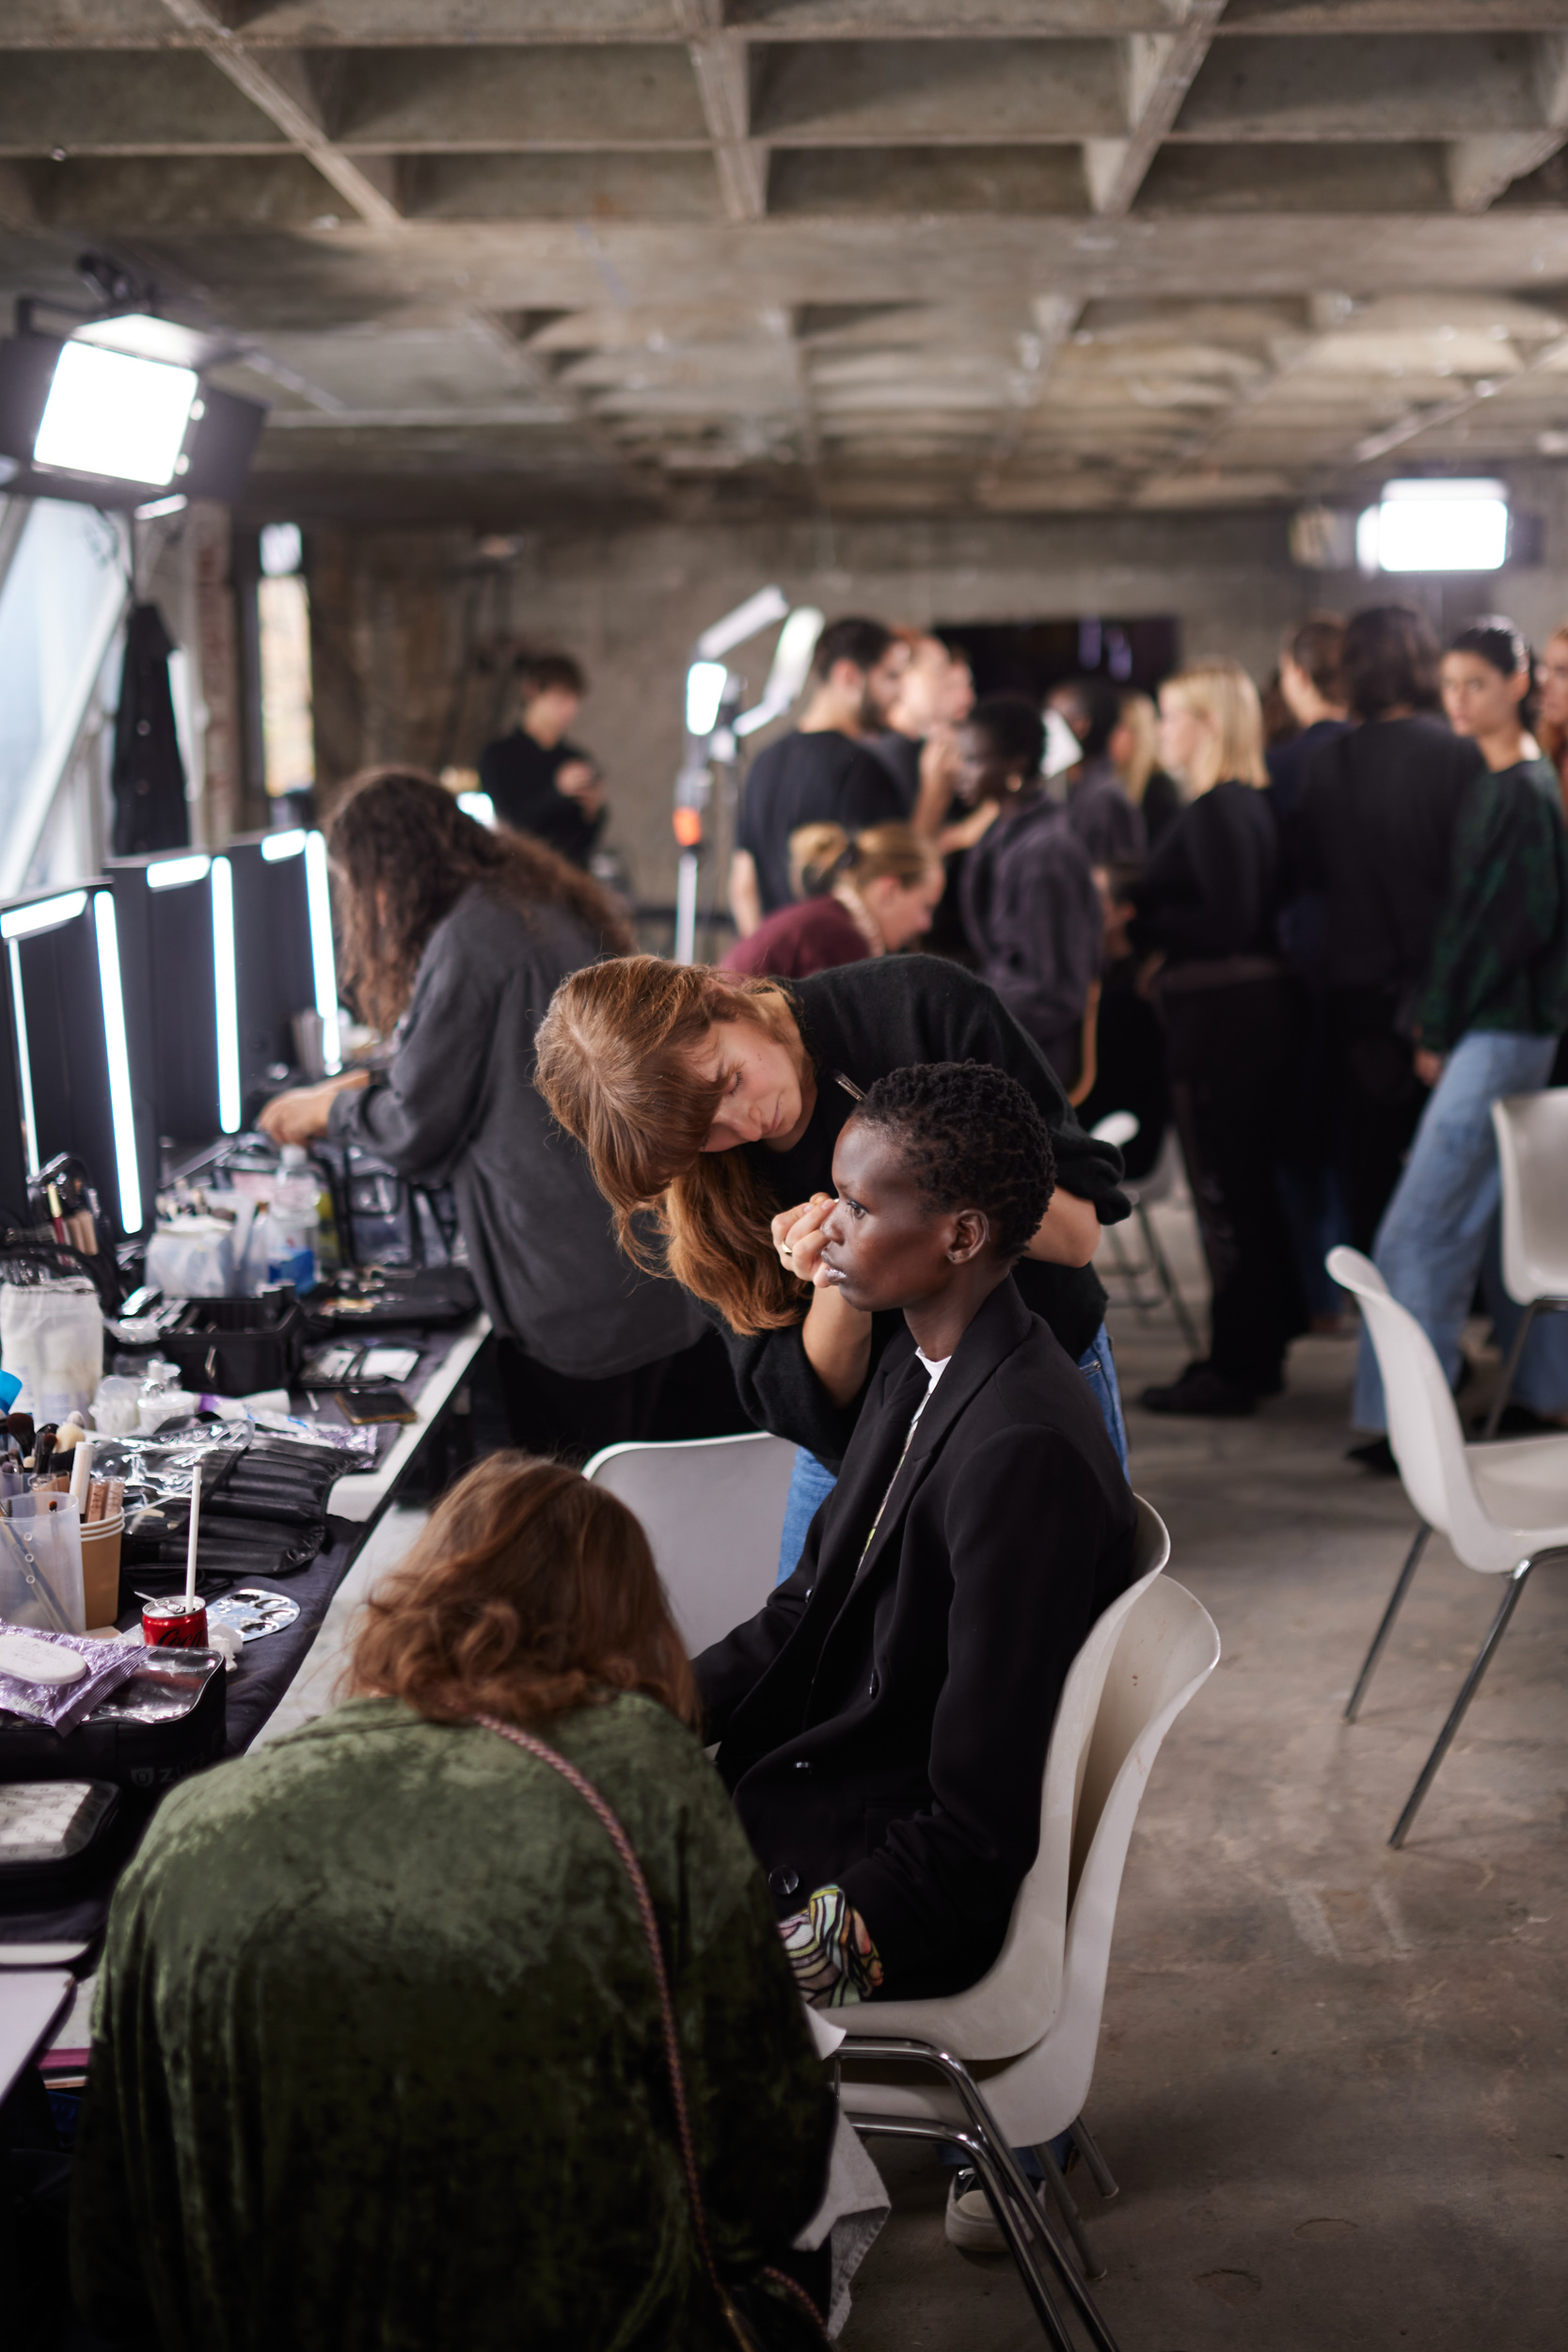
<point x="1375" y="1103"/>
<point x="689" y="1394"/>
<point x="1233" y="1055"/>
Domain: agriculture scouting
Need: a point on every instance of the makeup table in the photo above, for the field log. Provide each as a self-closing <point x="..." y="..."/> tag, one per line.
<point x="68" y="1934"/>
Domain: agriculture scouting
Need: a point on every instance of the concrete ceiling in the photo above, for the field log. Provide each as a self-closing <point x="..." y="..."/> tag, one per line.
<point x="503" y="259"/>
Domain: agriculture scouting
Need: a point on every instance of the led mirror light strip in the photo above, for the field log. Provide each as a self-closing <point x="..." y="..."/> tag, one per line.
<point x="319" y="898"/>
<point x="226" y="999"/>
<point x="277" y="844"/>
<point x="24" y="1062"/>
<point x="114" y="1047"/>
<point x="42" y="916"/>
<point x="173" y="873"/>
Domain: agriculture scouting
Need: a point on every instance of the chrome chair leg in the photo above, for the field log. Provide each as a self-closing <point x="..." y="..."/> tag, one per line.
<point x="1505" y="1380"/>
<point x="1100" y="2172"/>
<point x="901" y="2051"/>
<point x="977" y="2148"/>
<point x="1167" y="1281"/>
<point x="1054" y="2179"/>
<point x="1396" y="1602"/>
<point x="1130" y="1274"/>
<point x="1471" y="1685"/>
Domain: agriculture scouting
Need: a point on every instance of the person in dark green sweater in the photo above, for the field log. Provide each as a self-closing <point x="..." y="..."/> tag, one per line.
<point x="1487" y="1023"/>
<point x="377" y="2058"/>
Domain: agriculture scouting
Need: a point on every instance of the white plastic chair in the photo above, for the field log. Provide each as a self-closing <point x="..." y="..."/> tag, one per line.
<point x="1014" y="2055"/>
<point x="712" y="1509"/>
<point x="1119" y="1128"/>
<point x="1503" y="1508"/>
<point x="1533" y="1157"/>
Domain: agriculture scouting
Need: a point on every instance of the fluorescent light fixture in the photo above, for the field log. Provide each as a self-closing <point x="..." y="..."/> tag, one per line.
<point x="1425" y="526"/>
<point x="704" y="690"/>
<point x="758" y="613"/>
<point x="44" y="914"/>
<point x="479" y="806"/>
<point x="126" y="1175"/>
<point x="791" y="664"/>
<point x="226" y="996"/>
<point x="324" y="963"/>
<point x="112" y="415"/>
<point x="24" y="1062"/>
<point x="173" y="873"/>
<point x="280" y="845"/>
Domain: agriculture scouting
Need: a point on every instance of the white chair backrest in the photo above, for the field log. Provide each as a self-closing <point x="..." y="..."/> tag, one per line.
<point x="1532" y="1155"/>
<point x="1015" y="2000"/>
<point x="1424" y="1420"/>
<point x="1166" y="1651"/>
<point x="712" y="1509"/>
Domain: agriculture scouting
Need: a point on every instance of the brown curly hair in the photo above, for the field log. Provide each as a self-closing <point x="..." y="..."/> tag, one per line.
<point x="531" y="1592"/>
<point x="405" y="852"/>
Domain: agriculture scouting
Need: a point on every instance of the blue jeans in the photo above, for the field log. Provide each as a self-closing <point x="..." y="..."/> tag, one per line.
<point x="1432" y="1241"/>
<point x="810" y="1484"/>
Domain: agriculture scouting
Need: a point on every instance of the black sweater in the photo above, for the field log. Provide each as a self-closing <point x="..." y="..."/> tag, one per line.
<point x="864" y="1019"/>
<point x="1377" y="825"/>
<point x="1213" y="886"/>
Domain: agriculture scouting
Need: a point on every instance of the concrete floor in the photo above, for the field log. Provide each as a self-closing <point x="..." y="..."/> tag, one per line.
<point x="1332" y="2080"/>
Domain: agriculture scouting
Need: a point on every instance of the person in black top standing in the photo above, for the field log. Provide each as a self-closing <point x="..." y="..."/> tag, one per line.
<point x="1311" y="687"/>
<point x="1375" y="837"/>
<point x="824" y="771"/>
<point x="1099" y="808"/>
<point x="538" y="782"/>
<point x="1206" y="905"/>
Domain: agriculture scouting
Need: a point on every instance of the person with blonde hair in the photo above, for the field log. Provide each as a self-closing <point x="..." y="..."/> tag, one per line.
<point x="1206" y="905"/>
<point x="381" y="2054"/>
<point x="864" y="894"/>
<point x="1132" y="748"/>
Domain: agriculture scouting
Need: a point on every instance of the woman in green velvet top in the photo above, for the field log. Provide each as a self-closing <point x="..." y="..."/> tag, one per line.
<point x="377" y="2061"/>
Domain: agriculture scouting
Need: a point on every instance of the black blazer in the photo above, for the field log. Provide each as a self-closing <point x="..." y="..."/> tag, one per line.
<point x="884" y="1720"/>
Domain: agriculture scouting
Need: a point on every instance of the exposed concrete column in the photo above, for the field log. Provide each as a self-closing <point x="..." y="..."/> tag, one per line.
<point x="1480" y="168"/>
<point x="217" y="746"/>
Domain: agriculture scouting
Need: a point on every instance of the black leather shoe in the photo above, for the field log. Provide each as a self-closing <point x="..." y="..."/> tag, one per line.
<point x="1202" y="1390"/>
<point x="1376" y="1456"/>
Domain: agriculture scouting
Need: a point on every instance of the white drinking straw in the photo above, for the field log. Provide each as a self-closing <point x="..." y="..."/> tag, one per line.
<point x="80" y="1474"/>
<point x="195" y="1521"/>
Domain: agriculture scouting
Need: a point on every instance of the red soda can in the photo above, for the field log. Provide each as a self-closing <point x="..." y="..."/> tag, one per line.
<point x="174" y="1623"/>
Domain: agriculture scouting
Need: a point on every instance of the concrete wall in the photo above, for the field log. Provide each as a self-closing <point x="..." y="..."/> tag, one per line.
<point x="394" y="611"/>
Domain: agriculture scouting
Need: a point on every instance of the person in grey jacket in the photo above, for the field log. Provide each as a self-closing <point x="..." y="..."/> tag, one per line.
<point x="457" y="937"/>
<point x="1029" y="905"/>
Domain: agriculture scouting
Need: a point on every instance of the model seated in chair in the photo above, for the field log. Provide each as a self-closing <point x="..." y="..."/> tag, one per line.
<point x="884" y="1720"/>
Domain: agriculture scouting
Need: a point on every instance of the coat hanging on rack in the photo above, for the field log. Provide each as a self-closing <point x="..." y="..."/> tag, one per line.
<point x="149" y="776"/>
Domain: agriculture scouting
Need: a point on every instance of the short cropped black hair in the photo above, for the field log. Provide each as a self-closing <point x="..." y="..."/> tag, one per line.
<point x="1388" y="657"/>
<point x="864" y="643"/>
<point x="973" y="1139"/>
<point x="1014" y="729"/>
<point x="1495" y="638"/>
<point x="1098" y="700"/>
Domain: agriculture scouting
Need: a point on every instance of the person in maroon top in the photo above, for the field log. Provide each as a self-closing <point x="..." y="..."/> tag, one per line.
<point x="868" y="895"/>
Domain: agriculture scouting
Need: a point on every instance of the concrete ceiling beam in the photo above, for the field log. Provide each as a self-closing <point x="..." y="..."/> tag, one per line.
<point x="1158" y="70"/>
<point x="282" y="89"/>
<point x="721" y="63"/>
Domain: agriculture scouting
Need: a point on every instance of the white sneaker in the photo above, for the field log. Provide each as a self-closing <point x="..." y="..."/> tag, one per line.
<point x="970" y="2223"/>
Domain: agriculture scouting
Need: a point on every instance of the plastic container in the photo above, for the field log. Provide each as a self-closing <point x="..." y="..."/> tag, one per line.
<point x="293" y="1222"/>
<point x="40" y="1570"/>
<point x="51" y="1338"/>
<point x="100" y="1546"/>
<point x="192" y="1257"/>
